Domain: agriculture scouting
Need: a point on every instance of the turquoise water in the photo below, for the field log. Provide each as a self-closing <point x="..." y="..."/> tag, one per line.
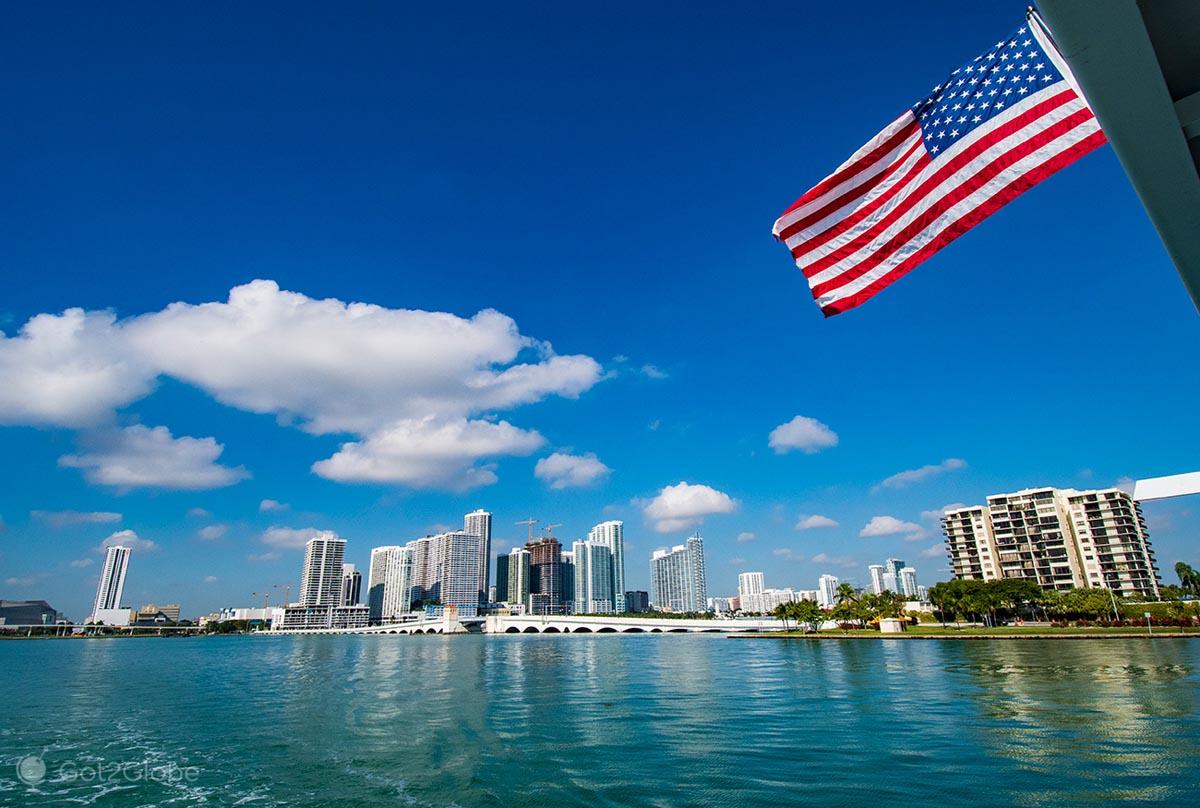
<point x="598" y="721"/>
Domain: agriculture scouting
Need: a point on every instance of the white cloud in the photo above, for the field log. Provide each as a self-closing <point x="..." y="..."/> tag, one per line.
<point x="742" y="538"/>
<point x="934" y="551"/>
<point x="272" y="556"/>
<point x="199" y="513"/>
<point x="213" y="532"/>
<point x="814" y="522"/>
<point x="806" y="434"/>
<point x="71" y="370"/>
<point x="127" y="538"/>
<point x="1125" y="484"/>
<point x="654" y="425"/>
<point x="142" y="457"/>
<point x="681" y="506"/>
<point x="889" y="526"/>
<point x="903" y="479"/>
<point x="837" y="561"/>
<point x="82" y="562"/>
<point x="936" y="514"/>
<point x="563" y="470"/>
<point x="653" y="372"/>
<point x="270" y="505"/>
<point x="738" y="560"/>
<point x="325" y="365"/>
<point x="210" y="579"/>
<point x="429" y="453"/>
<point x="787" y="554"/>
<point x="290" y="538"/>
<point x="70" y="518"/>
<point x="24" y="581"/>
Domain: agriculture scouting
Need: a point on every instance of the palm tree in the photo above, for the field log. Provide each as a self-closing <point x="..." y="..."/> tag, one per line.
<point x="782" y="612"/>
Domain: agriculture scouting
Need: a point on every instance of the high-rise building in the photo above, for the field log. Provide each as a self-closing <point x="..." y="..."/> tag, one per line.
<point x="827" y="591"/>
<point x="889" y="582"/>
<point x="389" y="583"/>
<point x="677" y="577"/>
<point x="445" y="572"/>
<point x="894" y="565"/>
<point x="750" y="592"/>
<point x="112" y="579"/>
<point x="321" y="580"/>
<point x="1057" y="538"/>
<point x="519" y="574"/>
<point x="594" y="572"/>
<point x="566" y="575"/>
<point x="545" y="575"/>
<point x="479" y="523"/>
<point x="611" y="534"/>
<point x="637" y="600"/>
<point x="351" y="585"/>
<point x="501" y="586"/>
<point x="876" y="571"/>
<point x="908" y="582"/>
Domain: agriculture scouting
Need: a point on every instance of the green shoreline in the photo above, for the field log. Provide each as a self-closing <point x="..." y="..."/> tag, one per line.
<point x="1064" y="634"/>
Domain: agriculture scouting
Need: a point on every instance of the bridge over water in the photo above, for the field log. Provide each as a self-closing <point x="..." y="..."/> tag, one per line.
<point x="557" y="624"/>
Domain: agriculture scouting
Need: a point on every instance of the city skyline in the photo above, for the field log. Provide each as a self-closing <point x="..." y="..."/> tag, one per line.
<point x="446" y="381"/>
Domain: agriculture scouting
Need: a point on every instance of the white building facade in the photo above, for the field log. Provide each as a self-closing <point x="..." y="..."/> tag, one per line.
<point x="611" y="534"/>
<point x="111" y="587"/>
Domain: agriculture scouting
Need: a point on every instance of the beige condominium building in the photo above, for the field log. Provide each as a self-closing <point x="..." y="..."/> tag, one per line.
<point x="1058" y="538"/>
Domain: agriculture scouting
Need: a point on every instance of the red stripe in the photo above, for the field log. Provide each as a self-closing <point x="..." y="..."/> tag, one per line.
<point x="944" y="203"/>
<point x="1010" y="192"/>
<point x="944" y="172"/>
<point x="851" y="171"/>
<point x="852" y="194"/>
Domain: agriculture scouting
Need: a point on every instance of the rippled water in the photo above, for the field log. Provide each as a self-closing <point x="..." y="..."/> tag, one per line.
<point x="599" y="721"/>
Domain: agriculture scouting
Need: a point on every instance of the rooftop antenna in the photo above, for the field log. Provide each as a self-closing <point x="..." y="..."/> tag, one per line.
<point x="530" y="522"/>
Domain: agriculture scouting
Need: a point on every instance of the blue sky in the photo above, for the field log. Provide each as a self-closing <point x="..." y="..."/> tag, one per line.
<point x="607" y="183"/>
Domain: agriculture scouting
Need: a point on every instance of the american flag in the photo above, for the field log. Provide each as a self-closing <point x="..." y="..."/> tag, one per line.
<point x="997" y="126"/>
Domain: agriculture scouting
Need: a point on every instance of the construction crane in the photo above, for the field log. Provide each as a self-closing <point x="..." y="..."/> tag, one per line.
<point x="550" y="529"/>
<point x="287" y="592"/>
<point x="530" y="522"/>
<point x="265" y="596"/>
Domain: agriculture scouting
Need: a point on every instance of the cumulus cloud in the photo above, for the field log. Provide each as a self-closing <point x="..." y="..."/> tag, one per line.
<point x="814" y="522"/>
<point x="199" y="513"/>
<point x="22" y="581"/>
<point x="837" y="561"/>
<point x="561" y="470"/>
<point x="270" y="505"/>
<point x="787" y="554"/>
<point x="937" y="513"/>
<point x="82" y="562"/>
<point x="802" y="433"/>
<point x="889" y="526"/>
<point x="213" y="532"/>
<point x="289" y="538"/>
<point x="429" y="453"/>
<point x="678" y="507"/>
<point x="71" y="518"/>
<point x="127" y="538"/>
<point x="903" y="479"/>
<point x="327" y="366"/>
<point x="210" y="579"/>
<point x="742" y="538"/>
<point x="143" y="457"/>
<point x="934" y="551"/>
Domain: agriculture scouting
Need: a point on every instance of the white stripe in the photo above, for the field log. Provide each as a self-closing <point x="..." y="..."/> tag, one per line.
<point x="963" y="207"/>
<point x="900" y="175"/>
<point x="879" y="165"/>
<point x="928" y="200"/>
<point x="823" y="248"/>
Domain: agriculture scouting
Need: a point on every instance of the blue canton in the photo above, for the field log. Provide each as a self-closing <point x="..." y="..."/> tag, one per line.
<point x="994" y="80"/>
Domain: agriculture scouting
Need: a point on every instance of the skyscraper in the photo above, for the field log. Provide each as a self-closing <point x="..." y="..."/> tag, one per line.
<point x="611" y="534"/>
<point x="519" y="574"/>
<point x="908" y="582"/>
<point x="677" y="577"/>
<point x="351" y="585"/>
<point x="321" y="580"/>
<point x="594" y="592"/>
<point x="750" y="592"/>
<point x="501" y="585"/>
<point x="545" y="576"/>
<point x="479" y="523"/>
<point x="112" y="579"/>
<point x="567" y="576"/>
<point x="389" y="583"/>
<point x="827" y="591"/>
<point x="876" y="571"/>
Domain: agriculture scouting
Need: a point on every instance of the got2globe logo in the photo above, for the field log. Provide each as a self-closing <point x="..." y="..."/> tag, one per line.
<point x="31" y="770"/>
